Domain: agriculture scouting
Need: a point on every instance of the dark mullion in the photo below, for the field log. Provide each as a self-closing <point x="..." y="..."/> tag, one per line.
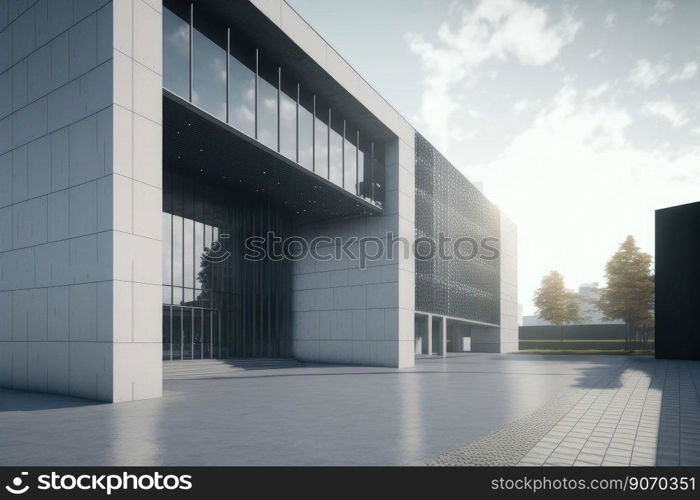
<point x="228" y="70"/>
<point x="328" y="146"/>
<point x="313" y="138"/>
<point x="297" y="118"/>
<point x="342" y="163"/>
<point x="357" y="164"/>
<point x="257" y="76"/>
<point x="371" y="172"/>
<point x="279" y="98"/>
<point x="191" y="50"/>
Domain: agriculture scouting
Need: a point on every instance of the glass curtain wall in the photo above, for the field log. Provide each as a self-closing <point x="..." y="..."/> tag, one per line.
<point x="214" y="67"/>
<point x="216" y="303"/>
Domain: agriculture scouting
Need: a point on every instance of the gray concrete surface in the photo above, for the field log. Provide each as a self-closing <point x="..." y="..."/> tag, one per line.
<point x="309" y="415"/>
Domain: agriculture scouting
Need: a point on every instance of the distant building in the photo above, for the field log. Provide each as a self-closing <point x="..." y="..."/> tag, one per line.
<point x="591" y="313"/>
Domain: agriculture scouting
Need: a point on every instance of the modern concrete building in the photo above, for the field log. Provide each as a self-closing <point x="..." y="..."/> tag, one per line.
<point x="143" y="142"/>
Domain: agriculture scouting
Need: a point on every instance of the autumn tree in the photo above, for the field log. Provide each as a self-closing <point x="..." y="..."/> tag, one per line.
<point x="555" y="303"/>
<point x="629" y="295"/>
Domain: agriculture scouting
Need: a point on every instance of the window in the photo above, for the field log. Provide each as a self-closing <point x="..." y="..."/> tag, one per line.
<point x="268" y="79"/>
<point x="176" y="48"/>
<point x="288" y="118"/>
<point x="306" y="130"/>
<point x="350" y="162"/>
<point x="321" y="140"/>
<point x="336" y="150"/>
<point x="364" y="167"/>
<point x="241" y="87"/>
<point x="209" y="66"/>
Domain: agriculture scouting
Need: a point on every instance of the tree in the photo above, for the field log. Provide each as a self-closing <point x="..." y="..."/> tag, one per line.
<point x="629" y="294"/>
<point x="555" y="303"/>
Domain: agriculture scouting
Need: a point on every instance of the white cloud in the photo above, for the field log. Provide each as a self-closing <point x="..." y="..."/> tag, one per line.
<point x="661" y="13"/>
<point x="645" y="74"/>
<point x="610" y="20"/>
<point x="667" y="110"/>
<point x="576" y="186"/>
<point x="521" y="105"/>
<point x="492" y="30"/>
<point x="689" y="70"/>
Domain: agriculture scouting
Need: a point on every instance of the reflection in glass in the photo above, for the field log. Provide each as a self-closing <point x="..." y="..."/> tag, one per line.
<point x="167" y="341"/>
<point x="321" y="141"/>
<point x="197" y="352"/>
<point x="198" y="252"/>
<point x="241" y="87"/>
<point x="350" y="161"/>
<point x="207" y="334"/>
<point x="177" y="250"/>
<point x="336" y="150"/>
<point x="267" y="104"/>
<point x="209" y="67"/>
<point x="306" y="131"/>
<point x="167" y="248"/>
<point x="288" y="120"/>
<point x="188" y="253"/>
<point x="176" y="48"/>
<point x="177" y="334"/>
<point x="378" y="172"/>
<point x="187" y="338"/>
<point x="364" y="168"/>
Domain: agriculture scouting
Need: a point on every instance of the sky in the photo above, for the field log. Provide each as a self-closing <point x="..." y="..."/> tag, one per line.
<point x="580" y="117"/>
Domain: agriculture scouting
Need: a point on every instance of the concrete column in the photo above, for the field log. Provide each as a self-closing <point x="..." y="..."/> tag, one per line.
<point x="443" y="337"/>
<point x="430" y="335"/>
<point x="80" y="198"/>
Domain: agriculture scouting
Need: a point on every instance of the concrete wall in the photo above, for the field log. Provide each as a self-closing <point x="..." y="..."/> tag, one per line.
<point x="80" y="200"/>
<point x="342" y="313"/>
<point x="346" y="314"/>
<point x="509" y="285"/>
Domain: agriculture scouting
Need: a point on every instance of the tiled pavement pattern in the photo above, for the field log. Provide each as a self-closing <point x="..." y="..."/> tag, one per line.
<point x="645" y="413"/>
<point x="647" y="417"/>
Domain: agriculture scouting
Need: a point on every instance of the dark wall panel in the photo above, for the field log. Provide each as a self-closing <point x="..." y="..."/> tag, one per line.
<point x="447" y="203"/>
<point x="678" y="282"/>
<point x="215" y="302"/>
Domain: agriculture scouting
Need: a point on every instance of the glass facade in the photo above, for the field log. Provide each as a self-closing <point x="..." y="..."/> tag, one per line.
<point x="215" y="302"/>
<point x="213" y="67"/>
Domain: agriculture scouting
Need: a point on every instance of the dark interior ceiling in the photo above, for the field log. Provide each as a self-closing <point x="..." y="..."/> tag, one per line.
<point x="251" y="24"/>
<point x="199" y="144"/>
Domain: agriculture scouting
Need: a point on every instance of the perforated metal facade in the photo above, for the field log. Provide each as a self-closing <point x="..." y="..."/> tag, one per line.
<point x="447" y="203"/>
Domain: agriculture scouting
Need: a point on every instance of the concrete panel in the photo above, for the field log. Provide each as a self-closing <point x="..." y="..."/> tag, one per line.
<point x="58" y="313"/>
<point x="149" y="84"/>
<point x="52" y="18"/>
<point x="90" y="370"/>
<point x="138" y="371"/>
<point x="39" y="167"/>
<point x="18" y="75"/>
<point x="5" y="229"/>
<point x="148" y="150"/>
<point x="83" y="49"/>
<point x="5" y="94"/>
<point x="147" y="30"/>
<point x="147" y="316"/>
<point x="83" y="312"/>
<point x="20" y="177"/>
<point x="60" y="159"/>
<point x="83" y="209"/>
<point x="29" y="222"/>
<point x="29" y="122"/>
<point x="59" y="215"/>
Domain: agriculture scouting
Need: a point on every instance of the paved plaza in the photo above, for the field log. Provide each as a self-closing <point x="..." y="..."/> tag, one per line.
<point x="469" y="409"/>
